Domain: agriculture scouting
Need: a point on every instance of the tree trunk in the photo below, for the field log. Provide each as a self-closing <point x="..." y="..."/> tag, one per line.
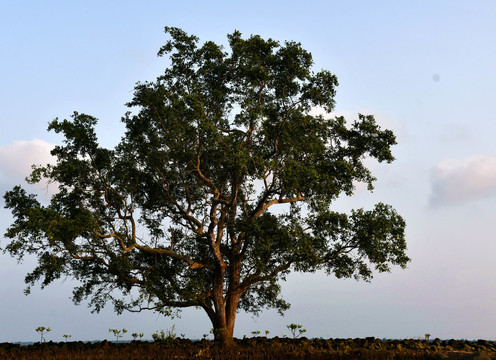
<point x="223" y="316"/>
<point x="223" y="325"/>
<point x="223" y="319"/>
<point x="224" y="337"/>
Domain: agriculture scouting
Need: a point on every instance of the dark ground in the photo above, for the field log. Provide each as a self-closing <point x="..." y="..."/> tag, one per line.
<point x="257" y="349"/>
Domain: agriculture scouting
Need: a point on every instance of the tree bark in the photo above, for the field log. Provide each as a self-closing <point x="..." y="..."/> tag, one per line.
<point x="223" y="323"/>
<point x="223" y="316"/>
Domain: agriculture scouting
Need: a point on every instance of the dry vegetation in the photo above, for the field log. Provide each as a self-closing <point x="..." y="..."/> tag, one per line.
<point x="256" y="349"/>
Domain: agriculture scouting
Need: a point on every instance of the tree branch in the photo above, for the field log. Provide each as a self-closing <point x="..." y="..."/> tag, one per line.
<point x="192" y="264"/>
<point x="265" y="205"/>
<point x="257" y="277"/>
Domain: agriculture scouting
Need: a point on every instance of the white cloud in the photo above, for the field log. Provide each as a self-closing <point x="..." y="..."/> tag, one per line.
<point x="17" y="158"/>
<point x="461" y="180"/>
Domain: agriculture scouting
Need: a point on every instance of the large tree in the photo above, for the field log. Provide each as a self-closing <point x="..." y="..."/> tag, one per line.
<point x="222" y="184"/>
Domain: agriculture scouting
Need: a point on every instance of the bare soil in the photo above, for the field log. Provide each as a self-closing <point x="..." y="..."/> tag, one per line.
<point x="257" y="349"/>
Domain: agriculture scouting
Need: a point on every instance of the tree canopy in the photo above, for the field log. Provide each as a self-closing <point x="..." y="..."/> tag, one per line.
<point x="222" y="184"/>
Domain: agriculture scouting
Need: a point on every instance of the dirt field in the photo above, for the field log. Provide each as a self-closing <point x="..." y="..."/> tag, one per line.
<point x="257" y="349"/>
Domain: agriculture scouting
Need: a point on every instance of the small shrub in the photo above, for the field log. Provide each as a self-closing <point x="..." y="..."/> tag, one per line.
<point x="42" y="330"/>
<point x="118" y="333"/>
<point x="136" y="335"/>
<point x="296" y="330"/>
<point x="168" y="336"/>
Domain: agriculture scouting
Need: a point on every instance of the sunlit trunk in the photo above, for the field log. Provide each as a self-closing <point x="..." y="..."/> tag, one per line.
<point x="223" y="323"/>
<point x="223" y="317"/>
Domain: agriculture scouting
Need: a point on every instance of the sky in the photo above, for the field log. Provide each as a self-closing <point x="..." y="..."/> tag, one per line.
<point x="424" y="69"/>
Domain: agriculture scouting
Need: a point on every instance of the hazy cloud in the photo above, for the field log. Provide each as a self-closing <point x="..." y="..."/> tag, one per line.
<point x="462" y="180"/>
<point x="456" y="133"/>
<point x="16" y="160"/>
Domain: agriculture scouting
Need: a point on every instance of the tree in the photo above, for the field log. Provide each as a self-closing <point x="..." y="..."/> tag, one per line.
<point x="222" y="184"/>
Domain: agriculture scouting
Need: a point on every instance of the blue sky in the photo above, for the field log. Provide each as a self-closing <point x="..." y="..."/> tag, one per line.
<point x="425" y="69"/>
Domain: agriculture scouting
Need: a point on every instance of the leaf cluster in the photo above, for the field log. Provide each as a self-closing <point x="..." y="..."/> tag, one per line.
<point x="222" y="166"/>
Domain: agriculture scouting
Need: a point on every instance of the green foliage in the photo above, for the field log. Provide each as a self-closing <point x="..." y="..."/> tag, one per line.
<point x="42" y="330"/>
<point x="66" y="337"/>
<point x="296" y="330"/>
<point x="156" y="336"/>
<point x="167" y="336"/>
<point x="222" y="184"/>
<point x="215" y="331"/>
<point x="136" y="335"/>
<point x="118" y="333"/>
